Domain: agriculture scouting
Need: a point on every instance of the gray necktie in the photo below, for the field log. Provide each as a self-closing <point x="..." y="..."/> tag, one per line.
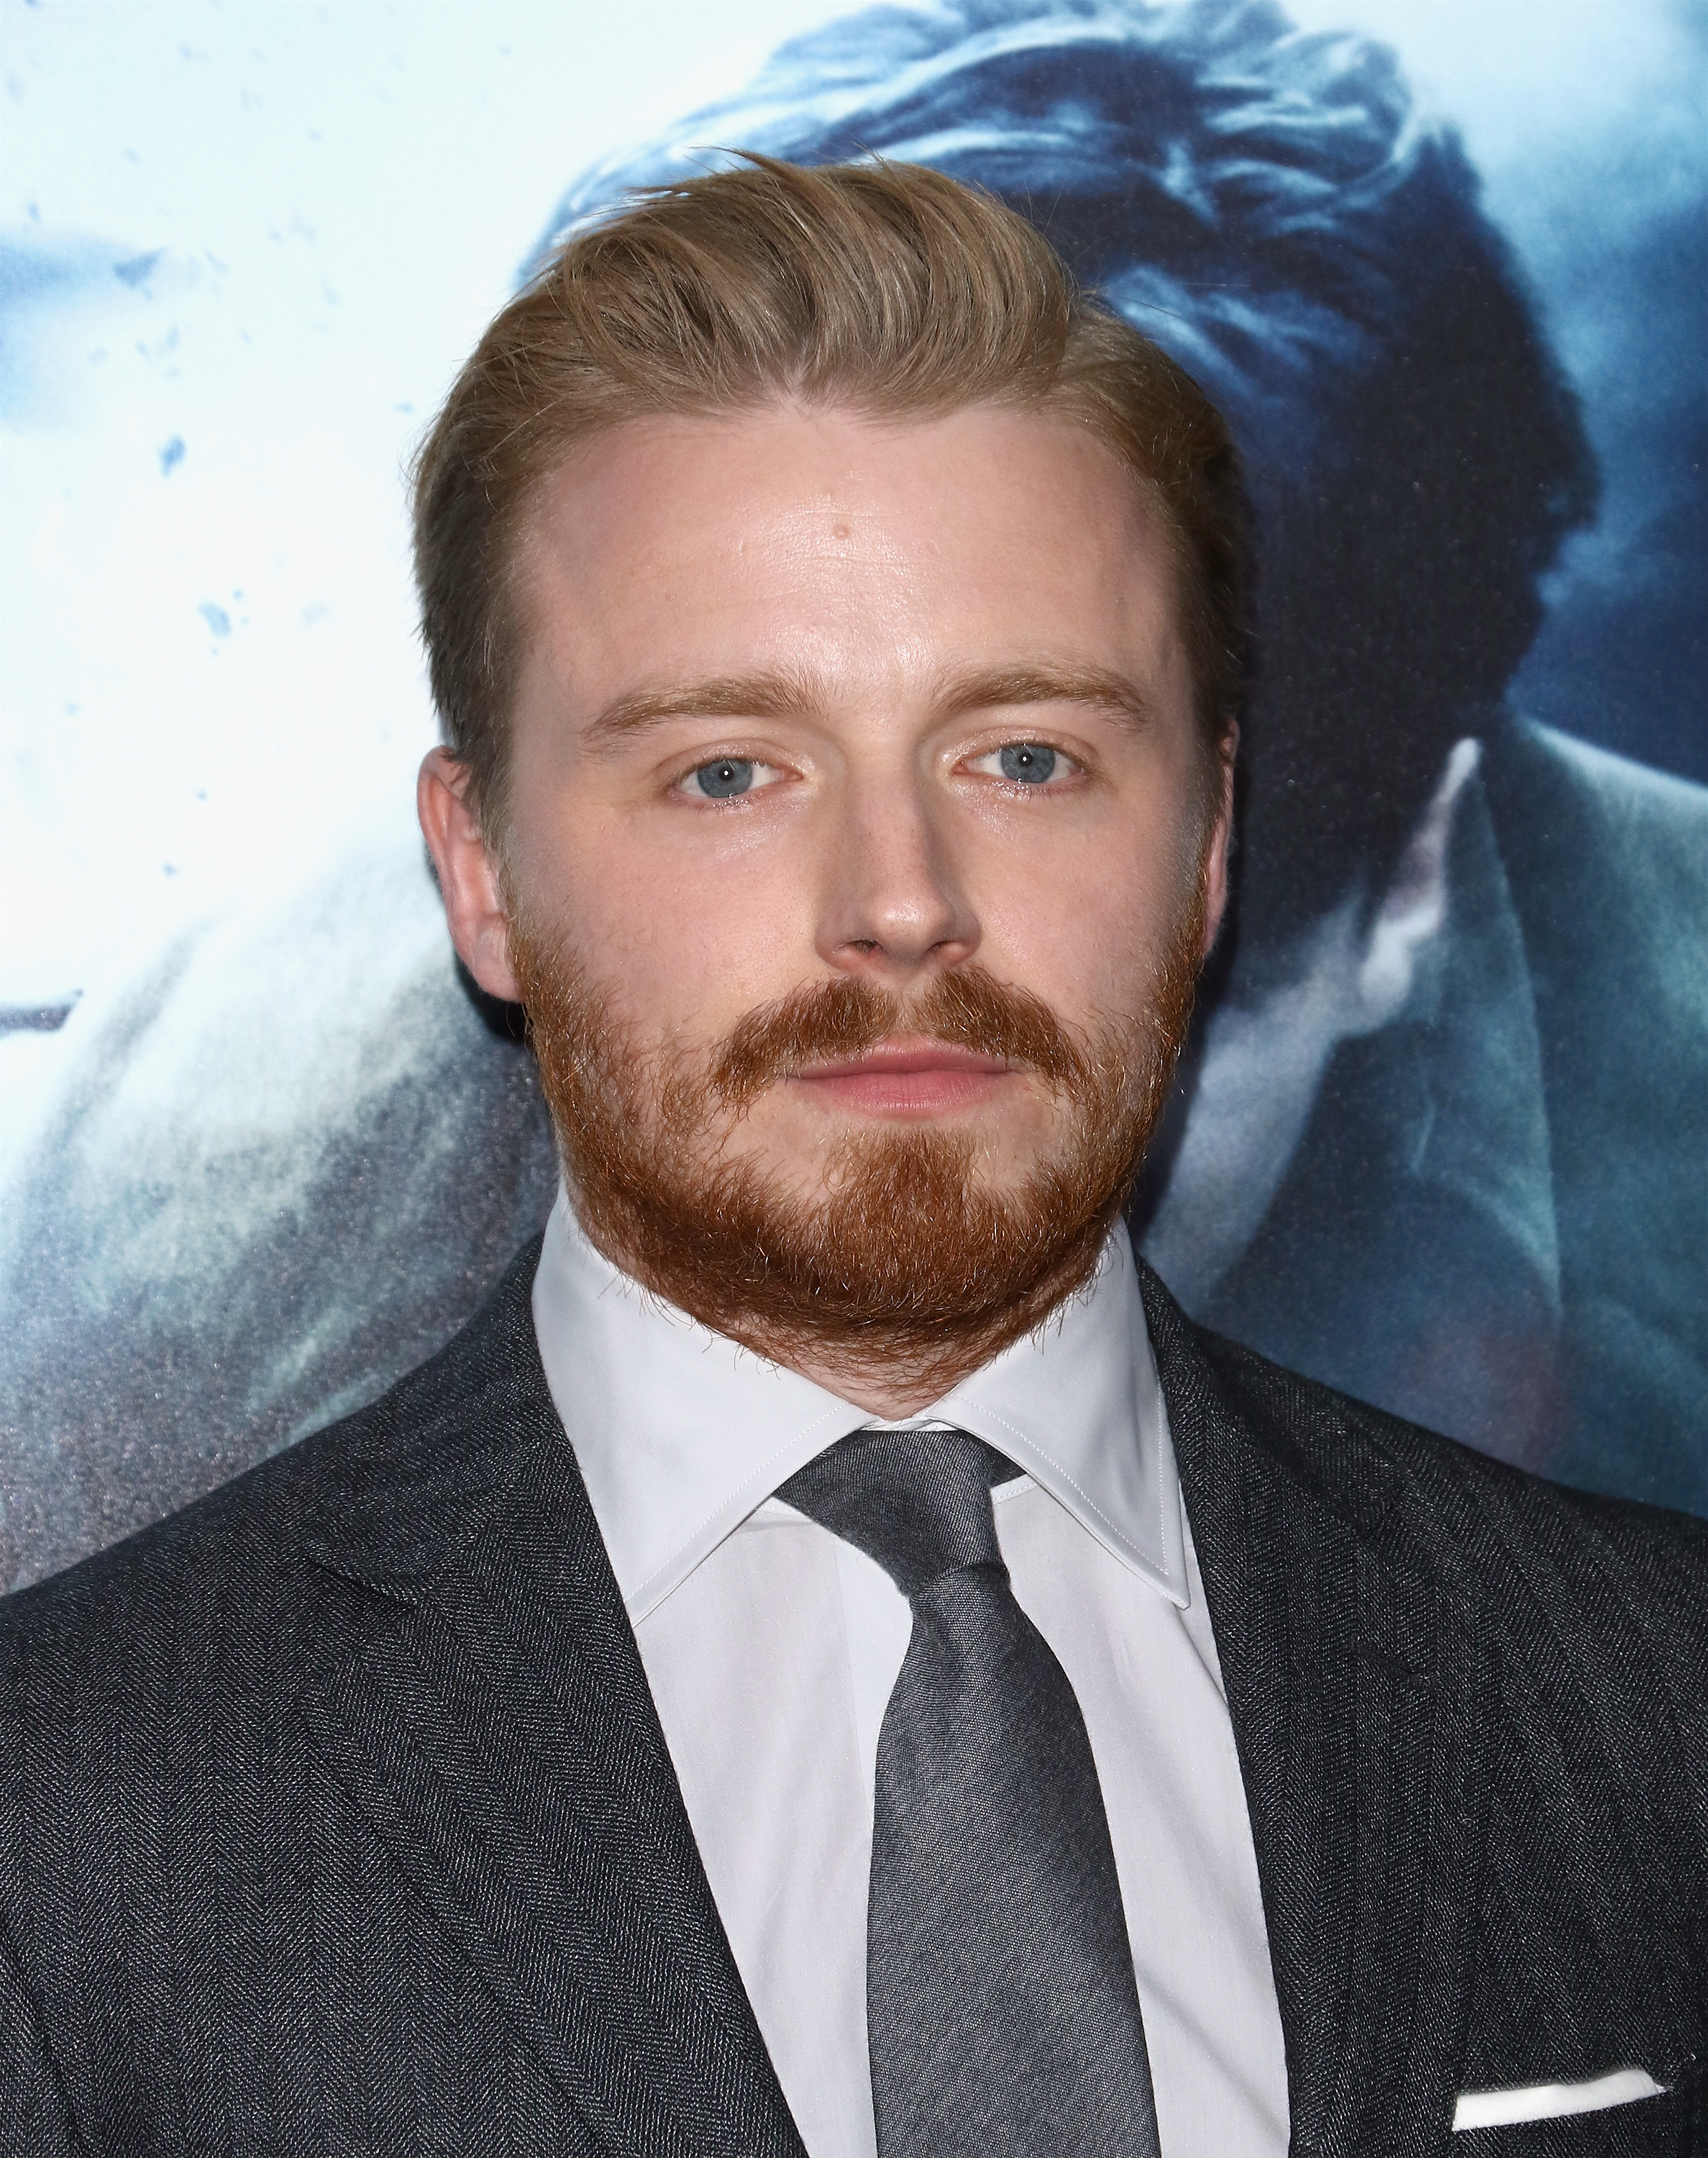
<point x="1002" y="2016"/>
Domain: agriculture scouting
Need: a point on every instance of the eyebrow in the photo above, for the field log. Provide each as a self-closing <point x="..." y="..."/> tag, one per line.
<point x="1100" y="688"/>
<point x="772" y="695"/>
<point x="780" y="694"/>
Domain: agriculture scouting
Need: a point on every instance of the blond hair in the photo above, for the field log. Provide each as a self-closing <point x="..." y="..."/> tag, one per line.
<point x="885" y="289"/>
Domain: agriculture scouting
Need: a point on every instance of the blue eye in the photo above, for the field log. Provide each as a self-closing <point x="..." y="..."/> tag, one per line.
<point x="726" y="776"/>
<point x="1030" y="763"/>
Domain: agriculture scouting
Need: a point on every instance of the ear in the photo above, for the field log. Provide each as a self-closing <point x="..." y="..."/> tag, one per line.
<point x="1216" y="854"/>
<point x="469" y="874"/>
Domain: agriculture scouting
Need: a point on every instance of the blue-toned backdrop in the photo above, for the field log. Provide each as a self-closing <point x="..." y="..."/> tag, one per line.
<point x="1444" y="1136"/>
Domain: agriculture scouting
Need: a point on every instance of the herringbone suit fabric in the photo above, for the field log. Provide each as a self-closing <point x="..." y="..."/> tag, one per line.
<point x="336" y="1817"/>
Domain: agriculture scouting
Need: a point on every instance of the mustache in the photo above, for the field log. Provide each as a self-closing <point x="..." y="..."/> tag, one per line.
<point x="968" y="1008"/>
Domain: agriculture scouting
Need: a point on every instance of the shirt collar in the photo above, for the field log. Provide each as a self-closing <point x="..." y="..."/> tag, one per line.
<point x="680" y="1434"/>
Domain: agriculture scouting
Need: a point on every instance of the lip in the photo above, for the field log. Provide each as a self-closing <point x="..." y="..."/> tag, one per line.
<point x="908" y="1079"/>
<point x="906" y="1058"/>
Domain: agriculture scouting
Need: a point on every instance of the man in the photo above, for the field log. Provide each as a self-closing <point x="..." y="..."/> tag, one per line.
<point x="1408" y="1153"/>
<point x="831" y="1658"/>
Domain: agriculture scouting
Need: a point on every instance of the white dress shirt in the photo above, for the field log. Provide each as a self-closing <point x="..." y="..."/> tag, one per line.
<point x="771" y="1647"/>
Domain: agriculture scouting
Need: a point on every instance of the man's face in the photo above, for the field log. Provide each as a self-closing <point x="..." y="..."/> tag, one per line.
<point x="814" y="706"/>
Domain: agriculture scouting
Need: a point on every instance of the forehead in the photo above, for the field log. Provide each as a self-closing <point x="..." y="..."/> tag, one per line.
<point x="859" y="548"/>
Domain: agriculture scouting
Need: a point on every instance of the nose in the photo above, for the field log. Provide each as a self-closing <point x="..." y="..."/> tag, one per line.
<point x="892" y="906"/>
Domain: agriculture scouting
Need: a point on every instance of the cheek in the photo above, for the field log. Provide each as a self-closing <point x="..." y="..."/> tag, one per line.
<point x="687" y="939"/>
<point x="1083" y="923"/>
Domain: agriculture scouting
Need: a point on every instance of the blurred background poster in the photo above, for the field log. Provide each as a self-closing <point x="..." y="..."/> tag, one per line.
<point x="1443" y="1137"/>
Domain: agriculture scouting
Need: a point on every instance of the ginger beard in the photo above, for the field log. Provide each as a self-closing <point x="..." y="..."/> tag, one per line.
<point x="904" y="1255"/>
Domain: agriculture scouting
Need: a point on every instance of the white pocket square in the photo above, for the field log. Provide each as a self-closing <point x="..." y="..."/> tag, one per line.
<point x="1502" y="2108"/>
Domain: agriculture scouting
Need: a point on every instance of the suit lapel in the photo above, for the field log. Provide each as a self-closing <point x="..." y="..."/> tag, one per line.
<point x="476" y="1691"/>
<point x="1357" y="1695"/>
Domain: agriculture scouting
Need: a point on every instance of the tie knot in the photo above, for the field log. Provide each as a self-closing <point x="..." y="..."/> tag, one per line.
<point x="918" y="1502"/>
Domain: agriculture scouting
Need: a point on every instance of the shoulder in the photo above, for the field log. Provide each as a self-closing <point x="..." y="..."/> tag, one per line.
<point x="1575" y="819"/>
<point x="1561" y="773"/>
<point x="1577" y="1624"/>
<point x="1607" y="862"/>
<point x="1606" y="1597"/>
<point x="1352" y="1452"/>
<point x="198" y="1608"/>
<point x="1543" y="1567"/>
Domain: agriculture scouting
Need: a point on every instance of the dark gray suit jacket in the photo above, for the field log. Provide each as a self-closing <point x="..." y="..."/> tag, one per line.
<point x="335" y="1815"/>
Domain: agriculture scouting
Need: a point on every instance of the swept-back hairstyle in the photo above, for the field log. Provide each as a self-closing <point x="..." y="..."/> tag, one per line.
<point x="1270" y="209"/>
<point x="885" y="289"/>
